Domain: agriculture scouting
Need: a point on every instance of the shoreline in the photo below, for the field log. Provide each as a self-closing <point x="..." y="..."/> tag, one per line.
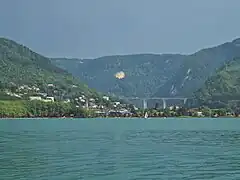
<point x="62" y="118"/>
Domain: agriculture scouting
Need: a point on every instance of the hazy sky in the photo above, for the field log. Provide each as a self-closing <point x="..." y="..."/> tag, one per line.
<point x="92" y="28"/>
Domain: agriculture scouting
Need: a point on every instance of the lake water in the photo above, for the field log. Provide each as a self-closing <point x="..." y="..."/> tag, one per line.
<point x="120" y="149"/>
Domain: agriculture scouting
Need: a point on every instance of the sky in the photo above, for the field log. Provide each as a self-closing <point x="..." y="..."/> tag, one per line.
<point x="94" y="28"/>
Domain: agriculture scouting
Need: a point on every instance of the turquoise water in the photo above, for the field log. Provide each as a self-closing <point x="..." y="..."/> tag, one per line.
<point x="120" y="149"/>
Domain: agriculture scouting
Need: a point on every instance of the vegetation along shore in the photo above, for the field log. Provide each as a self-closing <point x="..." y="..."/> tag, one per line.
<point x="32" y="85"/>
<point x="39" y="109"/>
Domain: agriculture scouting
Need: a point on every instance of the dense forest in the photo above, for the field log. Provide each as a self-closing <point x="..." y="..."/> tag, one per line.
<point x="21" y="66"/>
<point x="151" y="75"/>
<point x="26" y="75"/>
<point x="222" y="88"/>
<point x="17" y="109"/>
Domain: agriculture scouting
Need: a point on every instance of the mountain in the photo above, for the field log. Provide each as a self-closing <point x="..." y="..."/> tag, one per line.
<point x="151" y="75"/>
<point x="198" y="67"/>
<point x="22" y="68"/>
<point x="145" y="73"/>
<point x="223" y="87"/>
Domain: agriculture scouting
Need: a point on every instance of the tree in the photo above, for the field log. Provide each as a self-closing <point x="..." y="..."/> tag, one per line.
<point x="181" y="111"/>
<point x="132" y="109"/>
<point x="206" y="111"/>
<point x="1" y="85"/>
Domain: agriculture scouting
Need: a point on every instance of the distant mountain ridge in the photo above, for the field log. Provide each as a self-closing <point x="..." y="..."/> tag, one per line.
<point x="149" y="75"/>
<point x="140" y="73"/>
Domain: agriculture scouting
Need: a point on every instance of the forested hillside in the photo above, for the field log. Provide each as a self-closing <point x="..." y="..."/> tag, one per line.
<point x="224" y="86"/>
<point x="149" y="74"/>
<point x="21" y="69"/>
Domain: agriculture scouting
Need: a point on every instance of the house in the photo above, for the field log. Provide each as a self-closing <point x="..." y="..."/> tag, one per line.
<point x="37" y="89"/>
<point x="50" y="99"/>
<point x="67" y="101"/>
<point x="173" y="107"/>
<point x="101" y="107"/>
<point x="117" y="103"/>
<point x="32" y="98"/>
<point x="94" y="106"/>
<point x="101" y="113"/>
<point x="21" y="87"/>
<point x="92" y="100"/>
<point x="199" y="114"/>
<point x="43" y="94"/>
<point x="106" y="98"/>
<point x="83" y="100"/>
<point x="50" y="85"/>
<point x="124" y="111"/>
<point x="13" y="94"/>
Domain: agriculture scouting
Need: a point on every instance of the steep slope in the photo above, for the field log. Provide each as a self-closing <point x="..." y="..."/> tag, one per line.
<point x="151" y="75"/>
<point x="223" y="86"/>
<point x="198" y="67"/>
<point x="20" y="66"/>
<point x="145" y="73"/>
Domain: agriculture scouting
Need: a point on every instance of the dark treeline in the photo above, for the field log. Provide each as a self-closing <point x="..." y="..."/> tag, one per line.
<point x="32" y="109"/>
<point x="18" y="109"/>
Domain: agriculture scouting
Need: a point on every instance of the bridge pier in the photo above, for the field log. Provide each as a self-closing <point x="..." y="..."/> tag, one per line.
<point x="145" y="104"/>
<point x="184" y="101"/>
<point x="164" y="103"/>
<point x="164" y="100"/>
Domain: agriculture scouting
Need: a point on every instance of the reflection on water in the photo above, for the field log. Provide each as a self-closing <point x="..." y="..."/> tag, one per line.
<point x="86" y="150"/>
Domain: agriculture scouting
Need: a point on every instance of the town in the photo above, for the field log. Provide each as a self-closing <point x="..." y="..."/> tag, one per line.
<point x="102" y="106"/>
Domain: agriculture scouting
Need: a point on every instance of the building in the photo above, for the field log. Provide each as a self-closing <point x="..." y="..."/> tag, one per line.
<point x="67" y="101"/>
<point x="50" y="85"/>
<point x="50" y="99"/>
<point x="38" y="98"/>
<point x="106" y="98"/>
<point x="199" y="114"/>
<point x="92" y="100"/>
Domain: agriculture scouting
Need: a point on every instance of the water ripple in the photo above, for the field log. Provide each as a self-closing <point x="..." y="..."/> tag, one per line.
<point x="89" y="152"/>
